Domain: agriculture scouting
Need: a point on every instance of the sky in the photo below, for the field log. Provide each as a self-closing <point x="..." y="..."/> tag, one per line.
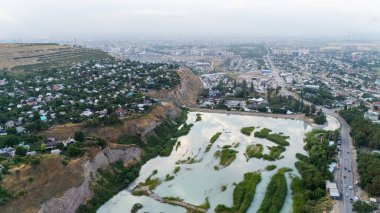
<point x="48" y="19"/>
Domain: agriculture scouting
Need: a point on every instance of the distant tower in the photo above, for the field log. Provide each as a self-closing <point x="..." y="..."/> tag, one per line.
<point x="75" y="41"/>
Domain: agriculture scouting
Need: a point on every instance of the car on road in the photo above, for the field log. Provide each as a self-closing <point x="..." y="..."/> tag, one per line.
<point x="348" y="152"/>
<point x="345" y="185"/>
<point x="345" y="168"/>
<point x="349" y="170"/>
<point x="344" y="176"/>
<point x="346" y="194"/>
<point x="350" y="187"/>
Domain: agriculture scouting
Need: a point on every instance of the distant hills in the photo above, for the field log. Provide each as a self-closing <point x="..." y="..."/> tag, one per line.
<point x="24" y="57"/>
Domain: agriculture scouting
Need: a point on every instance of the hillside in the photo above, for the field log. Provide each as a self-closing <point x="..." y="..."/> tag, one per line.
<point x="22" y="57"/>
<point x="41" y="189"/>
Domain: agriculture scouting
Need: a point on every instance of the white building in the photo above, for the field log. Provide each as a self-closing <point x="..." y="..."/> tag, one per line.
<point x="373" y="116"/>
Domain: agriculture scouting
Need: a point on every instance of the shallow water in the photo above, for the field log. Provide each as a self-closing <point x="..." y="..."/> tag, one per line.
<point x="195" y="182"/>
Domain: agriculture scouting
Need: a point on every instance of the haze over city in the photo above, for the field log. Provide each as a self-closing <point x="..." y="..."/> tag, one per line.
<point x="59" y="19"/>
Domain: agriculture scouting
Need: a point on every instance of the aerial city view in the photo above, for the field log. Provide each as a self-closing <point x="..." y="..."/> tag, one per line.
<point x="189" y="106"/>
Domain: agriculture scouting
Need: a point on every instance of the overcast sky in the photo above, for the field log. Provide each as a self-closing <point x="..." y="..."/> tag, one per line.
<point x="39" y="19"/>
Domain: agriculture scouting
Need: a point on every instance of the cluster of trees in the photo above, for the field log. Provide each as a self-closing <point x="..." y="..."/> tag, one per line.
<point x="364" y="132"/>
<point x="13" y="140"/>
<point x="369" y="171"/>
<point x="243" y="194"/>
<point x="313" y="169"/>
<point x="320" y="118"/>
<point x="281" y="104"/>
<point x="321" y="97"/>
<point x="363" y="207"/>
<point x="275" y="195"/>
<point x="4" y="195"/>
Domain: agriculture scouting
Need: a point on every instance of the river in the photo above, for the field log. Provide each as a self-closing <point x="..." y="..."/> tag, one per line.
<point x="194" y="182"/>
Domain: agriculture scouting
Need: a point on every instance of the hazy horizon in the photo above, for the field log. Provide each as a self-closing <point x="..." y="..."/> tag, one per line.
<point x="86" y="19"/>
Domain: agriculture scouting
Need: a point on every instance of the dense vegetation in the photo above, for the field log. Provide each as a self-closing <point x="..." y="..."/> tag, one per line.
<point x="364" y="132"/>
<point x="215" y="137"/>
<point x="243" y="194"/>
<point x="212" y="140"/>
<point x="321" y="96"/>
<point x="310" y="188"/>
<point x="247" y="130"/>
<point x="199" y="117"/>
<point x="270" y="167"/>
<point x="274" y="153"/>
<point x="275" y="138"/>
<point x="227" y="156"/>
<point x="320" y="119"/>
<point x="254" y="151"/>
<point x="369" y="170"/>
<point x="108" y="183"/>
<point x="275" y="195"/>
<point x="111" y="181"/>
<point x="363" y="207"/>
<point x="281" y="104"/>
<point x="4" y="194"/>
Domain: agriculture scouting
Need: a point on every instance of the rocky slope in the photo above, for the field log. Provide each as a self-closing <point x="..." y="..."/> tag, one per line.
<point x="75" y="196"/>
<point x="184" y="94"/>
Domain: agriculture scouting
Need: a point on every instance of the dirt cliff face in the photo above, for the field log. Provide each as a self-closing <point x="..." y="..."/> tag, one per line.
<point x="71" y="199"/>
<point x="184" y="94"/>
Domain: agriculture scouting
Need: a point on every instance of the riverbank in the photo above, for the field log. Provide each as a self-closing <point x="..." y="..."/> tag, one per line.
<point x="251" y="113"/>
<point x="216" y="185"/>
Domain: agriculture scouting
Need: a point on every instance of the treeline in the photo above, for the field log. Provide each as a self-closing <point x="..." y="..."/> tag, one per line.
<point x="111" y="181"/>
<point x="364" y="132"/>
<point x="276" y="193"/>
<point x="281" y="104"/>
<point x="243" y="194"/>
<point x="311" y="187"/>
<point x="320" y="96"/>
<point x="369" y="171"/>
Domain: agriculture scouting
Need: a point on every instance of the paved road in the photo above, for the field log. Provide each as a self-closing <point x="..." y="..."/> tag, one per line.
<point x="347" y="158"/>
<point x="347" y="167"/>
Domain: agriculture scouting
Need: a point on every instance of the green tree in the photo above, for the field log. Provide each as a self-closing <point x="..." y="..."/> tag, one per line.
<point x="74" y="151"/>
<point x="79" y="136"/>
<point x="363" y="207"/>
<point x="21" y="151"/>
<point x="11" y="131"/>
<point x="320" y="119"/>
<point x="313" y="109"/>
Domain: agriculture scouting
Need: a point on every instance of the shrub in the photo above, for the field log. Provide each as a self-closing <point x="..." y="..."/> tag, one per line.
<point x="79" y="136"/>
<point x="247" y="130"/>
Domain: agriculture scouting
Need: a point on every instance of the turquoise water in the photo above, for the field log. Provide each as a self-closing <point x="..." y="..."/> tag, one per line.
<point x="194" y="182"/>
